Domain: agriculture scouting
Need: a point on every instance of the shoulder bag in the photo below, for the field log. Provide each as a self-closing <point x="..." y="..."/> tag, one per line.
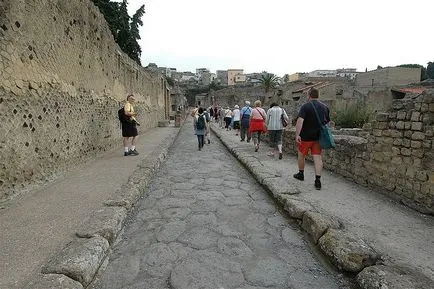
<point x="326" y="140"/>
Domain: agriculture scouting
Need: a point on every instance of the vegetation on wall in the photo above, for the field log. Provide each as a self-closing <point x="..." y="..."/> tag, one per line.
<point x="430" y="70"/>
<point x="352" y="116"/>
<point x="125" y="29"/>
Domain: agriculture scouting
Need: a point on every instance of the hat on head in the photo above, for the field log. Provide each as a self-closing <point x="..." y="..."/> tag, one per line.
<point x="236" y="106"/>
<point x="247" y="102"/>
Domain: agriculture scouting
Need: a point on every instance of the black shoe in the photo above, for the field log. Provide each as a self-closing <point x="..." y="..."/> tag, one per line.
<point x="126" y="154"/>
<point x="248" y="140"/>
<point x="209" y="141"/>
<point x="280" y="156"/>
<point x="299" y="176"/>
<point x="242" y="140"/>
<point x="318" y="184"/>
<point x="133" y="152"/>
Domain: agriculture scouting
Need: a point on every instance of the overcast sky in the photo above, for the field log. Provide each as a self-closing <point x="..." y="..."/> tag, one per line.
<point x="285" y="36"/>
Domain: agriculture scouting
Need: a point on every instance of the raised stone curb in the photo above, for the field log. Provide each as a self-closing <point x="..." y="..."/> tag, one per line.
<point x="347" y="252"/>
<point x="53" y="281"/>
<point x="316" y="224"/>
<point x="79" y="260"/>
<point x="106" y="223"/>
<point x="396" y="277"/>
<point x="296" y="208"/>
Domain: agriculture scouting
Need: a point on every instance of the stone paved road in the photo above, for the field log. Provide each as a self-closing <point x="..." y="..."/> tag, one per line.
<point x="204" y="222"/>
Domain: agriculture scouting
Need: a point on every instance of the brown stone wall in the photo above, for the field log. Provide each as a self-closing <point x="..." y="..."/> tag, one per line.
<point x="394" y="153"/>
<point x="62" y="79"/>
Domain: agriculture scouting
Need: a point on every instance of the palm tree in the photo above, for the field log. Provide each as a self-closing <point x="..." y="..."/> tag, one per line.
<point x="268" y="82"/>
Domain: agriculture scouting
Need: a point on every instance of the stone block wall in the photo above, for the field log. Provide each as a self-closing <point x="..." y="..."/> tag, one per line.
<point x="394" y="153"/>
<point x="62" y="80"/>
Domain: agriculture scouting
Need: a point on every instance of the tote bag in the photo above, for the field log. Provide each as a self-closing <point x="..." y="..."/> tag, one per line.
<point x="326" y="140"/>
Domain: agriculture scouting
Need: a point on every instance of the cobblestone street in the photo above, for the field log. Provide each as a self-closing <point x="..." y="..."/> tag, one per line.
<point x="204" y="222"/>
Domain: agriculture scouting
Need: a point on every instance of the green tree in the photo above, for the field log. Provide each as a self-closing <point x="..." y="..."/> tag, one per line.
<point x="430" y="70"/>
<point x="125" y="29"/>
<point x="268" y="82"/>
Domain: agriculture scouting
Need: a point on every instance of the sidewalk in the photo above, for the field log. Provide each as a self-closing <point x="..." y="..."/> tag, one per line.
<point x="33" y="228"/>
<point x="402" y="238"/>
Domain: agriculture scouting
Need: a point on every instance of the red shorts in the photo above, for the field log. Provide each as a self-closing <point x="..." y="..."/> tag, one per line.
<point x="314" y="147"/>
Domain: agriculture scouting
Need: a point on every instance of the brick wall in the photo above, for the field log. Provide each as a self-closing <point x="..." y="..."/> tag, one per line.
<point x="62" y="80"/>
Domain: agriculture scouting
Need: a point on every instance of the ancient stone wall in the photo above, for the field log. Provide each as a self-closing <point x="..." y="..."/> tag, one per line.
<point x="394" y="153"/>
<point x="62" y="80"/>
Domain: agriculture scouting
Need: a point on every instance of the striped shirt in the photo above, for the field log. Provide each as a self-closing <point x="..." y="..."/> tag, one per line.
<point x="273" y="118"/>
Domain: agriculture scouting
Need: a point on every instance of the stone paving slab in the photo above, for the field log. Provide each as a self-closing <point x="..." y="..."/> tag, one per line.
<point x="377" y="229"/>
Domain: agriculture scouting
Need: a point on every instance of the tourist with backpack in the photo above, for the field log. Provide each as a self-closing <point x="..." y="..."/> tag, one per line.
<point x="245" y="122"/>
<point x="200" y="127"/>
<point x="127" y="117"/>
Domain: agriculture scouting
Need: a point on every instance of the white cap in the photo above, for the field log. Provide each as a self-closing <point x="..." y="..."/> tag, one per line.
<point x="247" y="102"/>
<point x="236" y="106"/>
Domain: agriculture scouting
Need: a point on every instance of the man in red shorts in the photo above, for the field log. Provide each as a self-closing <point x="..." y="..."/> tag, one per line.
<point x="307" y="134"/>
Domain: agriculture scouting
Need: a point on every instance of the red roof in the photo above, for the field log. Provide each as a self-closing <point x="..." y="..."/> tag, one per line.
<point x="316" y="85"/>
<point x="415" y="90"/>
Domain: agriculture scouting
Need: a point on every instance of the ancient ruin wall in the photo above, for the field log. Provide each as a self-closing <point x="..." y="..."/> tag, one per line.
<point x="62" y="79"/>
<point x="394" y="153"/>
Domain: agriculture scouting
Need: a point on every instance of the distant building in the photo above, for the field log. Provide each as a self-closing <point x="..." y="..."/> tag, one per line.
<point x="222" y="77"/>
<point x="350" y="73"/>
<point x="296" y="76"/>
<point x="387" y="77"/>
<point x="232" y="75"/>
<point x="322" y="73"/>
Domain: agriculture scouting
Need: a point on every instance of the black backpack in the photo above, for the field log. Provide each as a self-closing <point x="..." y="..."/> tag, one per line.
<point x="200" y="122"/>
<point x="121" y="115"/>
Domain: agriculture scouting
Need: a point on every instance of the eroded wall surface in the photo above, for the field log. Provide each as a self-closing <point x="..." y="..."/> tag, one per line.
<point x="62" y="79"/>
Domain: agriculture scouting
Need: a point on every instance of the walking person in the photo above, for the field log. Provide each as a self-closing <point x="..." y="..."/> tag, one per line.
<point x="129" y="127"/>
<point x="257" y="123"/>
<point x="228" y="118"/>
<point x="307" y="135"/>
<point x="245" y="121"/>
<point x="236" y="119"/>
<point x="207" y="125"/>
<point x="275" y="127"/>
<point x="200" y="127"/>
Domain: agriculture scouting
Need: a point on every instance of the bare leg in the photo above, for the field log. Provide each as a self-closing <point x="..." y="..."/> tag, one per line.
<point x="317" y="162"/>
<point x="300" y="161"/>
<point x="126" y="141"/>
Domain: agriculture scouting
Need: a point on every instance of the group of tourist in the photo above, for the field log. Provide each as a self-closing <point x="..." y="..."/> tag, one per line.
<point x="253" y="122"/>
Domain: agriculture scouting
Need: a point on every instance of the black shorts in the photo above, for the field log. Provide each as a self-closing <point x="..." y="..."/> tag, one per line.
<point x="129" y="129"/>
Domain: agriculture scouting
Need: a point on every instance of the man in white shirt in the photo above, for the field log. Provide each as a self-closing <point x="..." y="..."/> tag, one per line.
<point x="275" y="127"/>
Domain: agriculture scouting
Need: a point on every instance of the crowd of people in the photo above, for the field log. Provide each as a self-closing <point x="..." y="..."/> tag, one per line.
<point x="253" y="122"/>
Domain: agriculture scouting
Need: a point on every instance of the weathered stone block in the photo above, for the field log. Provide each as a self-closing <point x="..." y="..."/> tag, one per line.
<point x="106" y="222"/>
<point x="347" y="251"/>
<point x="79" y="260"/>
<point x="418" y="136"/>
<point x="383" y="277"/>
<point x="401" y="114"/>
<point x="416" y="126"/>
<point x="316" y="224"/>
<point x="416" y="144"/>
<point x="405" y="152"/>
<point x="400" y="125"/>
<point x="51" y="281"/>
<point x="296" y="209"/>
<point x="381" y="116"/>
<point x="415" y="115"/>
<point x="407" y="125"/>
